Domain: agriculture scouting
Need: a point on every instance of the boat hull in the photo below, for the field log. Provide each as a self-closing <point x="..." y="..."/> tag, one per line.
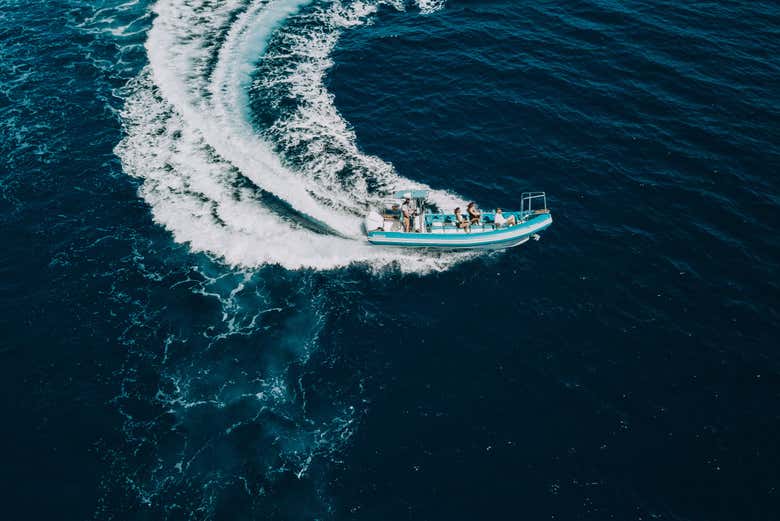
<point x="460" y="240"/>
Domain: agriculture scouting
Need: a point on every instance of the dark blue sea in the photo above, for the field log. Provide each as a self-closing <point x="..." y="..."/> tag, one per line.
<point x="192" y="326"/>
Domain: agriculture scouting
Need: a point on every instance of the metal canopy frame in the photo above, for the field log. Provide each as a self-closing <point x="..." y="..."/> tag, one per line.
<point x="527" y="200"/>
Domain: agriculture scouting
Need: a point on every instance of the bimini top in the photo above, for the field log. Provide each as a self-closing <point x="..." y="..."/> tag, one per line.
<point x="412" y="194"/>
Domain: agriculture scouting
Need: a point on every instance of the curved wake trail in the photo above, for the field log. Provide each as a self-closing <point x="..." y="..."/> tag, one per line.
<point x="243" y="155"/>
<point x="208" y="167"/>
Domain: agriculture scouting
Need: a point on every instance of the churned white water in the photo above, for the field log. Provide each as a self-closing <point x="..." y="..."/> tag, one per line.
<point x="191" y="138"/>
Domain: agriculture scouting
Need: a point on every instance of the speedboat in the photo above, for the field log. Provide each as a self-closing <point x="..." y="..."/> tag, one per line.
<point x="440" y="230"/>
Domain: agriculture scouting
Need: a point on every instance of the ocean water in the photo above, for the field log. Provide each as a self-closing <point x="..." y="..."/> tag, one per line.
<point x="191" y="326"/>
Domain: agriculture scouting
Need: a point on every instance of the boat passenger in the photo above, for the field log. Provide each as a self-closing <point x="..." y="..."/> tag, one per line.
<point x="474" y="215"/>
<point x="500" y="221"/>
<point x="406" y="215"/>
<point x="461" y="222"/>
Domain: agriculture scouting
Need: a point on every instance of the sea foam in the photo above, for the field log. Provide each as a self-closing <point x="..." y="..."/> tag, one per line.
<point x="191" y="138"/>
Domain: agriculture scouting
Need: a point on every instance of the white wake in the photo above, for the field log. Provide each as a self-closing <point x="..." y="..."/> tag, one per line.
<point x="190" y="137"/>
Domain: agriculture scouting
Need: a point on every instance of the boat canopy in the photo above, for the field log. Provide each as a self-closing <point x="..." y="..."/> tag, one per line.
<point x="412" y="194"/>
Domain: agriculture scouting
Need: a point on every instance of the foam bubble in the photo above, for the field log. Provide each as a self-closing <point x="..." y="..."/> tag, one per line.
<point x="430" y="6"/>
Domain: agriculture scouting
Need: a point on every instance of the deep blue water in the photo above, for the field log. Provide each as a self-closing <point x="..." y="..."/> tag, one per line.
<point x="189" y="328"/>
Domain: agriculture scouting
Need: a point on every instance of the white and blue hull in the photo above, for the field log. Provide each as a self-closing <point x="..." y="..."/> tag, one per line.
<point x="488" y="239"/>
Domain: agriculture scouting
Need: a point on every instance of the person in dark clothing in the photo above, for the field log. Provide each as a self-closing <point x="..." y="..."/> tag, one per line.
<point x="474" y="215"/>
<point x="461" y="222"/>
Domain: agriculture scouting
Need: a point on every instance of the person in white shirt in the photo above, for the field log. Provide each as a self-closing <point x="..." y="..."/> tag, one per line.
<point x="500" y="221"/>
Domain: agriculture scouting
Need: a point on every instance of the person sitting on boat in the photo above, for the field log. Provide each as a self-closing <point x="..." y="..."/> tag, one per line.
<point x="461" y="222"/>
<point x="406" y="215"/>
<point x="500" y="221"/>
<point x="474" y="215"/>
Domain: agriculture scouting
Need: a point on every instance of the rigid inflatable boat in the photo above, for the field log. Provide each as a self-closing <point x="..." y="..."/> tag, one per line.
<point x="386" y="227"/>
